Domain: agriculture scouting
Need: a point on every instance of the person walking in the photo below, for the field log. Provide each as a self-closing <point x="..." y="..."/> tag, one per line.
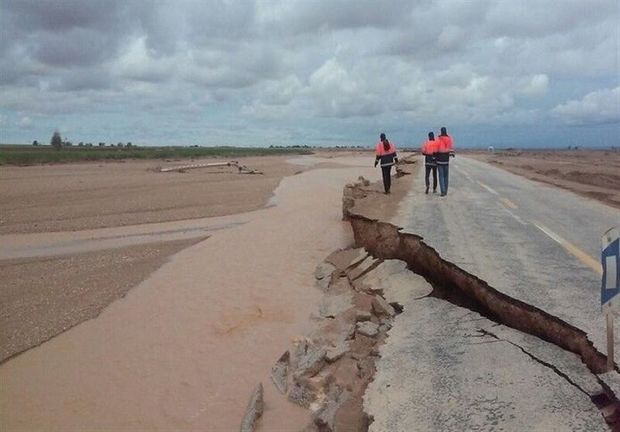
<point x="386" y="154"/>
<point x="445" y="149"/>
<point x="429" y="148"/>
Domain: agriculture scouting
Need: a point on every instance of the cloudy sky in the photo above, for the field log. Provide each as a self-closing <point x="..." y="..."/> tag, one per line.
<point x="316" y="72"/>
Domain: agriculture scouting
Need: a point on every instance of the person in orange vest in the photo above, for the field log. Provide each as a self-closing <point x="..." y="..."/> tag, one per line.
<point x="386" y="154"/>
<point x="445" y="150"/>
<point x="429" y="148"/>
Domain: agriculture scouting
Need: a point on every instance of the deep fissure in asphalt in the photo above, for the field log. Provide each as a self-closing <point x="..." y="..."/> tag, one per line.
<point x="455" y="285"/>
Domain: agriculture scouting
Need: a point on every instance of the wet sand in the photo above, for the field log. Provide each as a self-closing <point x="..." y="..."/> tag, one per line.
<point x="184" y="349"/>
<point x="42" y="297"/>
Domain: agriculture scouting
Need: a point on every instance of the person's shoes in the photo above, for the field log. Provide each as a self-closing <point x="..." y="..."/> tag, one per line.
<point x="426" y="192"/>
<point x="442" y="194"/>
<point x="434" y="190"/>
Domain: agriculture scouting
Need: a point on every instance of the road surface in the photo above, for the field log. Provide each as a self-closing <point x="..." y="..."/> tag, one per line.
<point x="444" y="367"/>
<point x="533" y="242"/>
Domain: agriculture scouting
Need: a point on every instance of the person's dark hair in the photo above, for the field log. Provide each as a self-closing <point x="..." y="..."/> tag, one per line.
<point x="443" y="131"/>
<point x="386" y="143"/>
<point x="431" y="136"/>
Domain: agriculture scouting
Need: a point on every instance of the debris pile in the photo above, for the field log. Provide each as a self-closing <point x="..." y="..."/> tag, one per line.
<point x="328" y="370"/>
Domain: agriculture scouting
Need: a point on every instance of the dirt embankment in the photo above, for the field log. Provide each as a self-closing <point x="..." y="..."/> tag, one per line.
<point x="591" y="173"/>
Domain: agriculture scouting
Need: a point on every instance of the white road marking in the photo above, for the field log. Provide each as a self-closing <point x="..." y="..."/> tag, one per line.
<point x="572" y="249"/>
<point x="521" y="221"/>
<point x="493" y="191"/>
<point x="550" y="233"/>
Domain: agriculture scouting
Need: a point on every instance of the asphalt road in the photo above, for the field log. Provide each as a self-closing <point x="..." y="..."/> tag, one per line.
<point x="533" y="242"/>
<point x="446" y="368"/>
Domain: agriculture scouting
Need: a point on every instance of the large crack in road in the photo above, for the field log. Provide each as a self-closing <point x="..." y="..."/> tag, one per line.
<point x="455" y="285"/>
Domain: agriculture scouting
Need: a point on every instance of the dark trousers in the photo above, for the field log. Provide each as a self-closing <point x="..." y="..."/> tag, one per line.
<point x="430" y="168"/>
<point x="387" y="180"/>
<point x="443" y="172"/>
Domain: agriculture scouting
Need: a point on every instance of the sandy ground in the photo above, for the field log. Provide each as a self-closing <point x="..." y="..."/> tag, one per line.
<point x="173" y="353"/>
<point x="591" y="173"/>
<point x="70" y="197"/>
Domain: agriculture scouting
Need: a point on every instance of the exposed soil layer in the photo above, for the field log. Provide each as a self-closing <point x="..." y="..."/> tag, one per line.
<point x="591" y="173"/>
<point x="41" y="298"/>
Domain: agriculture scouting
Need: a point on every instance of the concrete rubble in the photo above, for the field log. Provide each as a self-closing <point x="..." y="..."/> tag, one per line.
<point x="328" y="371"/>
<point x="254" y="410"/>
<point x="279" y="372"/>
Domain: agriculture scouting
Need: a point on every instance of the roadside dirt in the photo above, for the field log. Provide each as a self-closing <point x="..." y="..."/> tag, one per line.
<point x="591" y="173"/>
<point x="71" y="197"/>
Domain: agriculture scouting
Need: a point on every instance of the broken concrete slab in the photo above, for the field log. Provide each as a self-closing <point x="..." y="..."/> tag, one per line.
<point x="335" y="353"/>
<point x="334" y="331"/>
<point x="324" y="270"/>
<point x="446" y="375"/>
<point x="254" y="410"/>
<point x="343" y="259"/>
<point x="301" y="395"/>
<point x="339" y="285"/>
<point x="279" y="372"/>
<point x="397" y="283"/>
<point x="382" y="307"/>
<point x="367" y="328"/>
<point x="362" y="268"/>
<point x="362" y="301"/>
<point x="330" y="306"/>
<point x="310" y="362"/>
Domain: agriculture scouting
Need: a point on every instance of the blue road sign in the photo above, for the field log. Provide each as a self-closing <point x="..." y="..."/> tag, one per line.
<point x="610" y="259"/>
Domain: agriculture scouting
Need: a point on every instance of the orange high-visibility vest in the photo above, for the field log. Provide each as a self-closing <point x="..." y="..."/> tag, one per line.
<point x="430" y="147"/>
<point x="381" y="151"/>
<point x="445" y="144"/>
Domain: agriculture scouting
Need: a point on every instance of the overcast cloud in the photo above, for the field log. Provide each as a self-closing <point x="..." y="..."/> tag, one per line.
<point x="317" y="72"/>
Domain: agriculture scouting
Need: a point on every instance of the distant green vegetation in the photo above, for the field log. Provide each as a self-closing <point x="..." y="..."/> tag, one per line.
<point x="44" y="154"/>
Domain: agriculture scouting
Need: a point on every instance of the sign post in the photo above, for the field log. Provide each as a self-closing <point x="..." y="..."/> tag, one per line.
<point x="610" y="286"/>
